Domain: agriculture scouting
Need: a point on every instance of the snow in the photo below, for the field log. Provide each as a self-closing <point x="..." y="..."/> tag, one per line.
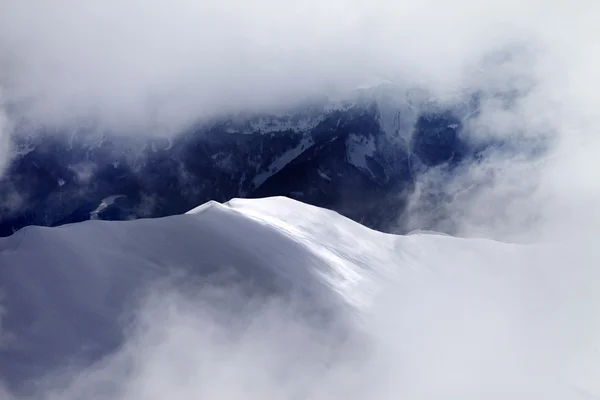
<point x="282" y="161"/>
<point x="291" y="124"/>
<point x="22" y="149"/>
<point x="104" y="204"/>
<point x="324" y="175"/>
<point x="284" y="122"/>
<point x="358" y="149"/>
<point x="429" y="316"/>
<point x="169" y="144"/>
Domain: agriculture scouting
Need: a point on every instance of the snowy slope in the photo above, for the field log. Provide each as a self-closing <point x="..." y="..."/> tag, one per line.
<point x="422" y="316"/>
<point x="282" y="161"/>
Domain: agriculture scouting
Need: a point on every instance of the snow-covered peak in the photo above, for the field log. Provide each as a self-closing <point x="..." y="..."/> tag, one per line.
<point x="446" y="317"/>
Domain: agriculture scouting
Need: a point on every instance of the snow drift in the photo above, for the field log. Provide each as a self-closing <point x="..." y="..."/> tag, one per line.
<point x="275" y="299"/>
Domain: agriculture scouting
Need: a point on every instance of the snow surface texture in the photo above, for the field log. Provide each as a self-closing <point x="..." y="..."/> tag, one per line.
<point x="274" y="299"/>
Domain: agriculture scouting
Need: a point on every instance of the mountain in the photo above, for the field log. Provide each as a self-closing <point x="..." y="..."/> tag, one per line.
<point x="359" y="157"/>
<point x="273" y="298"/>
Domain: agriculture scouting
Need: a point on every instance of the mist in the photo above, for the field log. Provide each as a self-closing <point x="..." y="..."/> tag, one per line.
<point x="154" y="67"/>
<point x="496" y="321"/>
<point x="159" y="65"/>
<point x="271" y="351"/>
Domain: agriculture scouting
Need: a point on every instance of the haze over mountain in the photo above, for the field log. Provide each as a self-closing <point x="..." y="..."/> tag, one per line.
<point x="144" y="70"/>
<point x="362" y="157"/>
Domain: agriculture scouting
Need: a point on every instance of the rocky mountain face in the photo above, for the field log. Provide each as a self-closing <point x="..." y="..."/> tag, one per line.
<point x="359" y="157"/>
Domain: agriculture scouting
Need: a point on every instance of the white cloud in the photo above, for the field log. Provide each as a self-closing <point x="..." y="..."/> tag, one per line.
<point x="5" y="132"/>
<point x="160" y="63"/>
<point x="155" y="65"/>
<point x="216" y="343"/>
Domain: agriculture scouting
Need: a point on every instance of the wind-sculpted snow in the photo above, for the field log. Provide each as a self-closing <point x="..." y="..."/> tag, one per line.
<point x="276" y="299"/>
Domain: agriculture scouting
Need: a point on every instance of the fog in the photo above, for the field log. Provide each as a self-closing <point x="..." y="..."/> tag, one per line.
<point x="203" y="350"/>
<point x="155" y="66"/>
<point x="456" y="319"/>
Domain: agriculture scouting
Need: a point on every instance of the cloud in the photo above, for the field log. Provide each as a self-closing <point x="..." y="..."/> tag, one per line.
<point x="216" y="342"/>
<point x="156" y="63"/>
<point x="5" y="132"/>
<point x="491" y="320"/>
<point x="535" y="92"/>
<point x="472" y="319"/>
<point x="154" y="66"/>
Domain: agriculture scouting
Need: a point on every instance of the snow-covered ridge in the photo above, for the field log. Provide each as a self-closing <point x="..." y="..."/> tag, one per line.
<point x="442" y="314"/>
